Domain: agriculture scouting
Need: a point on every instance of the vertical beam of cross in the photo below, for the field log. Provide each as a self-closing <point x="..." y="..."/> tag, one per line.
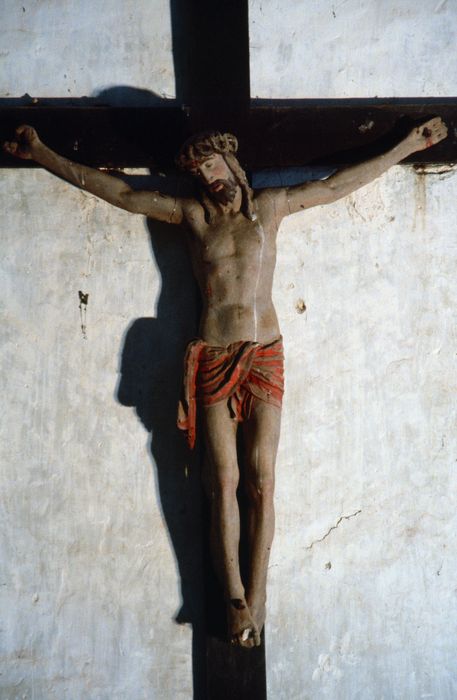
<point x="211" y="59"/>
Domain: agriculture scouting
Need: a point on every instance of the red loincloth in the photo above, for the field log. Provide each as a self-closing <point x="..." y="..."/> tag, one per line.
<point x="239" y="374"/>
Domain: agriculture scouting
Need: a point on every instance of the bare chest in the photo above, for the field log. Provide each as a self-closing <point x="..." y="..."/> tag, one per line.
<point x="232" y="238"/>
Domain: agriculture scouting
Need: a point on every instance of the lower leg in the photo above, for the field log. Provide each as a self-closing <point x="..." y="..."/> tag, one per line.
<point x="225" y="537"/>
<point x="221" y="484"/>
<point x="225" y="529"/>
<point x="261" y="523"/>
<point x="261" y="434"/>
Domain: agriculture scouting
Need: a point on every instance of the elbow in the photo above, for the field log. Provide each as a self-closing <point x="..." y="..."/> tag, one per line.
<point x="127" y="202"/>
<point x="332" y="188"/>
<point x="330" y="192"/>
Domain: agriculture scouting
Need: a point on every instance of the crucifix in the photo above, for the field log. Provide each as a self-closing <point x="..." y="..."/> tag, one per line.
<point x="234" y="371"/>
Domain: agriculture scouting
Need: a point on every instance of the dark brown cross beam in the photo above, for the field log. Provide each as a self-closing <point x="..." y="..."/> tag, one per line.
<point x="272" y="133"/>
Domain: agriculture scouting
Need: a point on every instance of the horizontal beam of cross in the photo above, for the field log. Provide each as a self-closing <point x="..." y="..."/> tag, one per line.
<point x="272" y="134"/>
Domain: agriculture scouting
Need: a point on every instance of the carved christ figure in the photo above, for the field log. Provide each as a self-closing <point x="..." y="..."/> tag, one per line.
<point x="234" y="372"/>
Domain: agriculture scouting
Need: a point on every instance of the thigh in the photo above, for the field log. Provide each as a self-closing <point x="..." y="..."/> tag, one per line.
<point x="261" y="438"/>
<point x="219" y="430"/>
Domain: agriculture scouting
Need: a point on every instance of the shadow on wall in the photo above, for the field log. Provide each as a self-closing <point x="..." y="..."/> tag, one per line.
<point x="127" y="96"/>
<point x="150" y="381"/>
<point x="151" y="369"/>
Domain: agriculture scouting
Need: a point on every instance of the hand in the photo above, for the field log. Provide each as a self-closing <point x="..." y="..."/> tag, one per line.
<point x="26" y="141"/>
<point x="427" y="134"/>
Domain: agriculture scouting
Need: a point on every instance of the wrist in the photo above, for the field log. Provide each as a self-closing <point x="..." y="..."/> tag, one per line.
<point x="38" y="151"/>
<point x="405" y="148"/>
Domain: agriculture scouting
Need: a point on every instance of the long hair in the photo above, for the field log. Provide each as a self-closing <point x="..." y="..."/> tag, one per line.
<point x="204" y="145"/>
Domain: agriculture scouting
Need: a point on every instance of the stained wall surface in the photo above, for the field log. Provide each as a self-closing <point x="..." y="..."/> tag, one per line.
<point x="99" y="520"/>
<point x="352" y="48"/>
<point x="82" y="48"/>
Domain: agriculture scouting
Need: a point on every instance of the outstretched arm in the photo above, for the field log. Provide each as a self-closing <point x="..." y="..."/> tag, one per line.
<point x="346" y="181"/>
<point x="153" y="204"/>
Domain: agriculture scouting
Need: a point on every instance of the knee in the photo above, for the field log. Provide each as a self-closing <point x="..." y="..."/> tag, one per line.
<point x="223" y="487"/>
<point x="260" y="487"/>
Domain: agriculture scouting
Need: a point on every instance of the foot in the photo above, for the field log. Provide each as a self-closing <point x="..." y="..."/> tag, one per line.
<point x="258" y="612"/>
<point x="242" y="628"/>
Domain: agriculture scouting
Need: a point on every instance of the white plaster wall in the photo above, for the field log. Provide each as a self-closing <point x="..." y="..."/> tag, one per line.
<point x="362" y="594"/>
<point x="89" y="584"/>
<point x="75" y="49"/>
<point x="362" y="585"/>
<point x="352" y="48"/>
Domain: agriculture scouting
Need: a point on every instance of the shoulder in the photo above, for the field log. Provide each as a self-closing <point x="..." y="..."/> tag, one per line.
<point x="192" y="207"/>
<point x="272" y="200"/>
<point x="194" y="214"/>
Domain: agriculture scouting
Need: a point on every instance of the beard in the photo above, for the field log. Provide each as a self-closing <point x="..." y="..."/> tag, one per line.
<point x="226" y="194"/>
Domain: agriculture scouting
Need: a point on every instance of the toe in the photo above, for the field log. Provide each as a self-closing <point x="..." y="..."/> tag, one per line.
<point x="247" y="643"/>
<point x="247" y="638"/>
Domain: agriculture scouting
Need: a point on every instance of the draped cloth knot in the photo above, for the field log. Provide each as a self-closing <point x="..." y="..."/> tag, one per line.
<point x="239" y="374"/>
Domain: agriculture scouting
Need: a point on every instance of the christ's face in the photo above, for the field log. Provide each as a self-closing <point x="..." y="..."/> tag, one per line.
<point x="216" y="177"/>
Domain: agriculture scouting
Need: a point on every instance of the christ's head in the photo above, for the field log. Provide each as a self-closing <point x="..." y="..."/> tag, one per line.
<point x="210" y="157"/>
<point x="217" y="178"/>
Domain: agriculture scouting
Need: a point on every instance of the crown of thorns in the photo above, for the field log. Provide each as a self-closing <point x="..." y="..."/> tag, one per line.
<point x="202" y="146"/>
